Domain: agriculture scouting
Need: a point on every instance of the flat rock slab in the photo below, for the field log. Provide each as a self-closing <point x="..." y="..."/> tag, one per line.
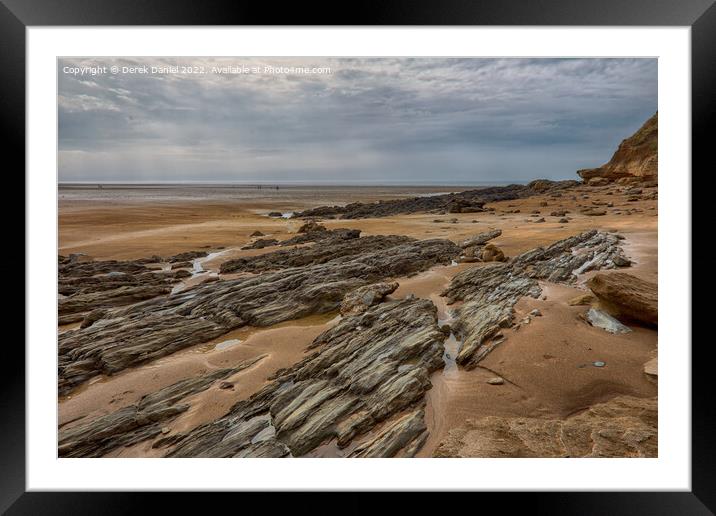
<point x="603" y="320"/>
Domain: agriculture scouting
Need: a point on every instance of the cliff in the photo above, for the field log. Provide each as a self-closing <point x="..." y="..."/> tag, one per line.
<point x="636" y="159"/>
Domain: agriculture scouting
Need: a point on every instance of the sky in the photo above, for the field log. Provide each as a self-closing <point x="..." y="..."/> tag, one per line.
<point x="345" y="120"/>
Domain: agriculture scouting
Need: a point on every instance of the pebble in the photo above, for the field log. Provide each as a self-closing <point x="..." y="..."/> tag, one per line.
<point x="496" y="381"/>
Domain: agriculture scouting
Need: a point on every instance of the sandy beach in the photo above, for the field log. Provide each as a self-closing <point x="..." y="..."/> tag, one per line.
<point x="547" y="365"/>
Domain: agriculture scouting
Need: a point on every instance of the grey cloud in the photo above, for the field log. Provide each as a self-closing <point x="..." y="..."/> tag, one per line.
<point x="387" y="120"/>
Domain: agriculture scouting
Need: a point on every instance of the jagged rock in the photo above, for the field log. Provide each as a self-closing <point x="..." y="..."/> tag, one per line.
<point x="605" y="321"/>
<point x="155" y="328"/>
<point x="400" y="435"/>
<point x="311" y="226"/>
<point x="89" y="285"/>
<point x="492" y="253"/>
<point x="329" y="249"/>
<point x="322" y="236"/>
<point x="624" y="426"/>
<point x="257" y="233"/>
<point x="354" y="381"/>
<point x="627" y="295"/>
<point x="261" y="243"/>
<point x="481" y="239"/>
<point x="471" y="200"/>
<point x="635" y="160"/>
<point x="138" y="422"/>
<point x="359" y="300"/>
<point x="187" y="256"/>
<point x="489" y="293"/>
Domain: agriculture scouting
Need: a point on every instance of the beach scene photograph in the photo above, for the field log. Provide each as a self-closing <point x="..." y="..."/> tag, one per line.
<point x="342" y="257"/>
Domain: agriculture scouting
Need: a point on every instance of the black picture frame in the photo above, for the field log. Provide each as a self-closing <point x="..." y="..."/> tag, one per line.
<point x="700" y="15"/>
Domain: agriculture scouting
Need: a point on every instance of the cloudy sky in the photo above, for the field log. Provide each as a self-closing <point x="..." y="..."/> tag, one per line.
<point x="349" y="120"/>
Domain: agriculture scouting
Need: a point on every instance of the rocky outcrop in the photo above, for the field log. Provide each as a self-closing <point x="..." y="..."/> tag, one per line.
<point x="368" y="369"/>
<point x="627" y="296"/>
<point x="141" y="421"/>
<point x="322" y="236"/>
<point x="144" y="331"/>
<point x="330" y="249"/>
<point x="624" y="426"/>
<point x="359" y="300"/>
<point x="636" y="158"/>
<point x="490" y="292"/>
<point x="464" y="202"/>
<point x="88" y="285"/>
<point x="481" y="238"/>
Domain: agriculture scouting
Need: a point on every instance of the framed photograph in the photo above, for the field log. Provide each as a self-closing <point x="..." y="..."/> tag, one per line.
<point x="425" y="249"/>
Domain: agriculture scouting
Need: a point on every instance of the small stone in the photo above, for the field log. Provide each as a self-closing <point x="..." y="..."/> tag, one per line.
<point x="257" y="234"/>
<point x="599" y="363"/>
<point x="226" y="385"/>
<point x="496" y="381"/>
<point x="536" y="313"/>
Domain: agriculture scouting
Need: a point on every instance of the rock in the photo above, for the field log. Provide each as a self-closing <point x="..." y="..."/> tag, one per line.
<point x="541" y="219"/>
<point x="536" y="313"/>
<point x="651" y="368"/>
<point x="355" y="381"/>
<point x="558" y="213"/>
<point x="481" y="238"/>
<point x="226" y="385"/>
<point x="275" y="214"/>
<point x="543" y="204"/>
<point x="489" y="293"/>
<point x="624" y="426"/>
<point x="621" y="261"/>
<point x="156" y="328"/>
<point x="598" y="181"/>
<point x="92" y="317"/>
<point x="359" y="300"/>
<point x="469" y="201"/>
<point x="311" y="226"/>
<point x="322" y="236"/>
<point x="330" y="249"/>
<point x="187" y="256"/>
<point x="492" y="253"/>
<point x="181" y="265"/>
<point x="627" y="295"/>
<point x="139" y="422"/>
<point x="257" y="234"/>
<point x="584" y="299"/>
<point x="605" y="321"/>
<point x="563" y="220"/>
<point x="496" y="381"/>
<point x="635" y="160"/>
<point x="90" y="285"/>
<point x="593" y="212"/>
<point x="261" y="243"/>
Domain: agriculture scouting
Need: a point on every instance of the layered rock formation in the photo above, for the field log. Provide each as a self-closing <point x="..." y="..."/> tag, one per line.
<point x="636" y="158"/>
<point x="490" y="292"/>
<point x="141" y="421"/>
<point x="464" y="202"/>
<point x="370" y="368"/>
<point x="87" y="285"/>
<point x="124" y="337"/>
<point x="625" y="426"/>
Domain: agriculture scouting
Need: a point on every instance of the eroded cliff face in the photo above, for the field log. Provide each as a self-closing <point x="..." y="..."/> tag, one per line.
<point x="635" y="160"/>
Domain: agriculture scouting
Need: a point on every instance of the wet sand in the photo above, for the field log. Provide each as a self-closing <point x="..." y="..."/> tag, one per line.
<point x="547" y="364"/>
